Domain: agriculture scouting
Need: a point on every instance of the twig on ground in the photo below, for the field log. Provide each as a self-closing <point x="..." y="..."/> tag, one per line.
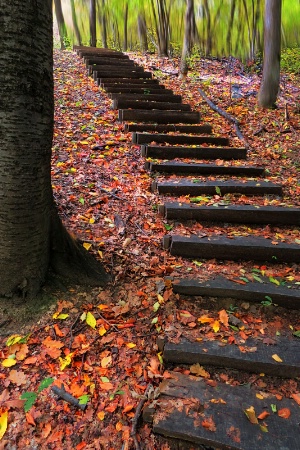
<point x="61" y="393"/>
<point x="137" y="416"/>
<point x="227" y="116"/>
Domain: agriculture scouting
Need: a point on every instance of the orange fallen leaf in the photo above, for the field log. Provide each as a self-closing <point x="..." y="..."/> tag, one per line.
<point x="30" y="419"/>
<point x="209" y="424"/>
<point x="128" y="408"/>
<point x="284" y="413"/>
<point x="296" y="397"/>
<point x="223" y="317"/>
<point x="263" y="415"/>
<point x="106" y="386"/>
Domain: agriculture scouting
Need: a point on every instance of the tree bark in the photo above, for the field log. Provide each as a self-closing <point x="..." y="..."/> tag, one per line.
<point x="75" y="23"/>
<point x="125" y="40"/>
<point x="61" y="24"/>
<point x="32" y="236"/>
<point x="188" y="39"/>
<point x="142" y="31"/>
<point x="271" y="64"/>
<point x="93" y="32"/>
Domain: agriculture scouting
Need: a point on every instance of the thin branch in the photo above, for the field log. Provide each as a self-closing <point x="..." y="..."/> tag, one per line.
<point x="227" y="116"/>
<point x="61" y="393"/>
<point x="137" y="416"/>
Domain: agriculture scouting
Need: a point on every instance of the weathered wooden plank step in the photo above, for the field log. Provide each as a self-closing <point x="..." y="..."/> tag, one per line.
<point x="146" y="138"/>
<point x="114" y="70"/>
<point x="204" y="169"/>
<point x="149" y="105"/>
<point x="250" y="248"/>
<point x="162" y="97"/>
<point x="103" y="60"/>
<point x="183" y="187"/>
<point x="231" y="213"/>
<point x="131" y="75"/>
<point x="190" y="409"/>
<point x="194" y="129"/>
<point x="169" y="152"/>
<point x="128" y="82"/>
<point x="134" y="89"/>
<point x="100" y="50"/>
<point x="141" y="115"/>
<point x="96" y="54"/>
<point x="253" y="292"/>
<point x="258" y="359"/>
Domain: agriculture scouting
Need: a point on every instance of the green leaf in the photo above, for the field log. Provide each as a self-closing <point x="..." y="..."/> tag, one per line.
<point x="168" y="227"/>
<point x="234" y="328"/>
<point x="257" y="278"/>
<point x="90" y="320"/>
<point x="45" y="383"/>
<point x="273" y="408"/>
<point x="273" y="280"/>
<point x="244" y="279"/>
<point x="297" y="333"/>
<point x="218" y="190"/>
<point x="104" y="380"/>
<point x="83" y="399"/>
<point x="199" y="264"/>
<point x="30" y="398"/>
<point x="81" y="200"/>
<point x="155" y="320"/>
<point x="156" y="306"/>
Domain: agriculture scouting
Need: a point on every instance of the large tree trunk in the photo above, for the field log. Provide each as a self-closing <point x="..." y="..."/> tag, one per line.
<point x="189" y="36"/>
<point x="271" y="66"/>
<point x="75" y="23"/>
<point x="93" y="33"/>
<point x="142" y="31"/>
<point x="61" y="24"/>
<point x="32" y="236"/>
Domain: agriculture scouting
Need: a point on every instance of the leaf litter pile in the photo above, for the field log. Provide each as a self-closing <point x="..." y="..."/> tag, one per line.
<point x="79" y="378"/>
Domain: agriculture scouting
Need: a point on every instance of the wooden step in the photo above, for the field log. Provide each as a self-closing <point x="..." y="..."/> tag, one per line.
<point x="273" y="215"/>
<point x="146" y="138"/>
<point x="220" y="354"/>
<point x="97" y="54"/>
<point x="161" y="97"/>
<point x="130" y="75"/>
<point x="107" y="61"/>
<point x="149" y="105"/>
<point x="114" y="70"/>
<point x="141" y="115"/>
<point x="169" y="152"/>
<point x="133" y="89"/>
<point x="193" y="129"/>
<point x="250" y="248"/>
<point x="186" y="187"/>
<point x="187" y="406"/>
<point x="204" y="169"/>
<point x="254" y="292"/>
<point x="129" y="82"/>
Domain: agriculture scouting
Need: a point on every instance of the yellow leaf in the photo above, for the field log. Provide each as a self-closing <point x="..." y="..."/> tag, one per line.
<point x="14" y="339"/>
<point x="101" y="415"/>
<point x="9" y="362"/>
<point x="64" y="362"/>
<point x="3" y="423"/>
<point x="60" y="316"/>
<point x="250" y="413"/>
<point x="261" y="397"/>
<point x="216" y="326"/>
<point x="130" y="345"/>
<point x="199" y="371"/>
<point x="90" y="320"/>
<point x="119" y="426"/>
<point x="277" y="358"/>
<point x="106" y="362"/>
<point x="84" y="142"/>
<point x="160" y="298"/>
<point x="83" y="316"/>
<point x="102" y="330"/>
<point x="92" y="220"/>
<point x="86" y="245"/>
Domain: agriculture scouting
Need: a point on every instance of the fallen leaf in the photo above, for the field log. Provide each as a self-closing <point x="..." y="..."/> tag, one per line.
<point x="250" y="413"/>
<point x="3" y="423"/>
<point x="277" y="358"/>
<point x="199" y="371"/>
<point x="284" y="413"/>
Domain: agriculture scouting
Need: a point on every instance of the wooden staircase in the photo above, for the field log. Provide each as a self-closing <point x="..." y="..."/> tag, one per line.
<point x="196" y="412"/>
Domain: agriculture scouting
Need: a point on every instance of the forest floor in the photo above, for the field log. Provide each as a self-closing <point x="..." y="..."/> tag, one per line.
<point x="101" y="344"/>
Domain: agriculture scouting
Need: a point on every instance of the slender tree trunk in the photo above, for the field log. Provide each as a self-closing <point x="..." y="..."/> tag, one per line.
<point x="125" y="41"/>
<point x="61" y="24"/>
<point x="102" y="20"/>
<point x="32" y="235"/>
<point x="93" y="33"/>
<point x="188" y="39"/>
<point x="271" y="66"/>
<point x="162" y="26"/>
<point x="142" y="30"/>
<point x="75" y="23"/>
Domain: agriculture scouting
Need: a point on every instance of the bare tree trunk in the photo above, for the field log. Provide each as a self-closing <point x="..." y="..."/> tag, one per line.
<point x="125" y="41"/>
<point x="102" y="20"/>
<point x="61" y="24"/>
<point x="188" y="39"/>
<point x="142" y="30"/>
<point x="162" y="26"/>
<point x="32" y="235"/>
<point x="229" y="29"/>
<point x="75" y="23"/>
<point x="93" y="33"/>
<point x="271" y="66"/>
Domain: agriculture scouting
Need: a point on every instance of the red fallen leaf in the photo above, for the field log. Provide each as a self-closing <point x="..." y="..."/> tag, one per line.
<point x="81" y="445"/>
<point x="212" y="383"/>
<point x="209" y="424"/>
<point x="30" y="419"/>
<point x="296" y="397"/>
<point x="231" y="340"/>
<point x="58" y="331"/>
<point x="31" y="360"/>
<point x="284" y="413"/>
<point x="111" y="408"/>
<point x="263" y="415"/>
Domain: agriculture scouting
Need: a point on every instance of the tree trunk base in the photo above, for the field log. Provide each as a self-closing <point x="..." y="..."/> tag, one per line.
<point x="71" y="261"/>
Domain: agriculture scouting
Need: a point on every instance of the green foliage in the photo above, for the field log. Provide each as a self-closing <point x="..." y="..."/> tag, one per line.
<point x="290" y="60"/>
<point x="30" y="397"/>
